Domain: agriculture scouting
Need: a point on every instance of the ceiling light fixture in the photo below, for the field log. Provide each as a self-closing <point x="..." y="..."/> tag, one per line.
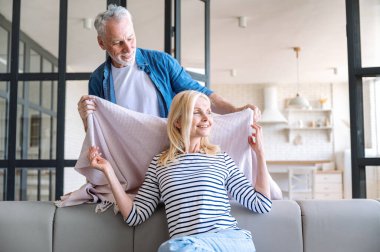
<point x="233" y="72"/>
<point x="243" y="22"/>
<point x="87" y="23"/>
<point x="298" y="101"/>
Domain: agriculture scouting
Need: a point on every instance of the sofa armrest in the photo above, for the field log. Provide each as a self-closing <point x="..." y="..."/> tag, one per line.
<point x="26" y="226"/>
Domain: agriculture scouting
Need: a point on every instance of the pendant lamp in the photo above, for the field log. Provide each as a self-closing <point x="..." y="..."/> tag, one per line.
<point x="298" y="102"/>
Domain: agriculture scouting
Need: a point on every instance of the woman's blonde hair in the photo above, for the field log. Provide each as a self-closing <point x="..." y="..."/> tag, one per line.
<point x="179" y="125"/>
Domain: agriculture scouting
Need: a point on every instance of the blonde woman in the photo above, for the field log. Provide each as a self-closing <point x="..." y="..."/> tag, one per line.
<point x="193" y="178"/>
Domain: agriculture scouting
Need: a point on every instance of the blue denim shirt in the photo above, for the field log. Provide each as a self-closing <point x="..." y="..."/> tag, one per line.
<point x="168" y="76"/>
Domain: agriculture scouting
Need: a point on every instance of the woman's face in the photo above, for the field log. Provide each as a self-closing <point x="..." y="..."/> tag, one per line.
<point x="202" y="119"/>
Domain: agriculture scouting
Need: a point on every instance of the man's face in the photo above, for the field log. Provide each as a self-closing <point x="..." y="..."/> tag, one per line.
<point x="119" y="41"/>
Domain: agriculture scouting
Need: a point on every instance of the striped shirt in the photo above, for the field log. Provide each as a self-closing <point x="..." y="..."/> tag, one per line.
<point x="195" y="188"/>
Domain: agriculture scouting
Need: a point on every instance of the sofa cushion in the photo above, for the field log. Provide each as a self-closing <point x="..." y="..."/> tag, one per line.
<point x="278" y="230"/>
<point x="79" y="228"/>
<point x="341" y="225"/>
<point x="26" y="226"/>
<point x="153" y="232"/>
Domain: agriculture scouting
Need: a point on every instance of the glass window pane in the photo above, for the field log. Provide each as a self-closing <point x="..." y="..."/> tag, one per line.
<point x="4" y="87"/>
<point x="35" y="62"/>
<point x="36" y="125"/>
<point x="193" y="35"/>
<point x="5" y="31"/>
<point x="46" y="98"/>
<point x="371" y="110"/>
<point x="3" y="179"/>
<point x="35" y="184"/>
<point x="6" y="9"/>
<point x="370" y="32"/>
<point x="83" y="51"/>
<point x="73" y="123"/>
<point x="19" y="135"/>
<point x="46" y="136"/>
<point x="34" y="135"/>
<point x="53" y="137"/>
<point x="55" y="96"/>
<point x="73" y="180"/>
<point x="373" y="182"/>
<point x="47" y="66"/>
<point x="43" y="41"/>
<point x="20" y="90"/>
<point x="21" y="56"/>
<point x="4" y="51"/>
<point x="3" y="123"/>
<point x="34" y="92"/>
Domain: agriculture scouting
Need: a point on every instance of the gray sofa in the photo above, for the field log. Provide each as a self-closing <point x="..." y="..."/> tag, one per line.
<point x="315" y="225"/>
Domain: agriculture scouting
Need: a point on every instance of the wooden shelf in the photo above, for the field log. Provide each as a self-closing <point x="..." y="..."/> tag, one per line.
<point x="309" y="110"/>
<point x="309" y="120"/>
<point x="294" y="129"/>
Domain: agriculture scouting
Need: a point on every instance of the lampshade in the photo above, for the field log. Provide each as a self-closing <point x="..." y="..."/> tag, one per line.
<point x="298" y="101"/>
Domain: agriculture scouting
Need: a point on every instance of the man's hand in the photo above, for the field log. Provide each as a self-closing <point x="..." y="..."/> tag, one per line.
<point x="86" y="106"/>
<point x="257" y="114"/>
<point x="222" y="106"/>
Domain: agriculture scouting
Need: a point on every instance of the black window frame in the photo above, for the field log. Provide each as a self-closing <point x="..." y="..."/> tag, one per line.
<point x="356" y="74"/>
<point x="13" y="77"/>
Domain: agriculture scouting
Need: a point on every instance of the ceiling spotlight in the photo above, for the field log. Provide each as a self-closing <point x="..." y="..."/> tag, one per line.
<point x="233" y="72"/>
<point x="243" y="21"/>
<point x="87" y="23"/>
<point x="335" y="70"/>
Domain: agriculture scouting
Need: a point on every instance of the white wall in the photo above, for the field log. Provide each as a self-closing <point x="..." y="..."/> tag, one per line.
<point x="315" y="143"/>
<point x="74" y="133"/>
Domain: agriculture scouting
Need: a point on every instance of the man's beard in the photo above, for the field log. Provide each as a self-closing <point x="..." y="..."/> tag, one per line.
<point x="124" y="63"/>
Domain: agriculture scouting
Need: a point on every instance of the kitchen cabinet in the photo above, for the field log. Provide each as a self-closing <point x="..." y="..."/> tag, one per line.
<point x="328" y="185"/>
<point x="296" y="178"/>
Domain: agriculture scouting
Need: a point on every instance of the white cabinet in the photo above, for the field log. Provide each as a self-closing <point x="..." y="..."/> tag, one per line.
<point x="328" y="185"/>
<point x="306" y="120"/>
<point x="295" y="178"/>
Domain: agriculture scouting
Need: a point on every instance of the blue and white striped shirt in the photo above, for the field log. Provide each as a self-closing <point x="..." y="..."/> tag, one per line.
<point x="194" y="188"/>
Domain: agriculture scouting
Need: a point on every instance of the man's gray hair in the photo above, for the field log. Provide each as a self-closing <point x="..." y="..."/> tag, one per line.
<point x="113" y="12"/>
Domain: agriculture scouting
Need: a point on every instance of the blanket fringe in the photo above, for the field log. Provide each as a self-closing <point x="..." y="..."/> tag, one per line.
<point x="103" y="206"/>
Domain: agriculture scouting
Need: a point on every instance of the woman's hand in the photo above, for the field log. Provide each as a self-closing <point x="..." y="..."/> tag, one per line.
<point x="96" y="161"/>
<point x="256" y="139"/>
<point x="262" y="176"/>
<point x="101" y="164"/>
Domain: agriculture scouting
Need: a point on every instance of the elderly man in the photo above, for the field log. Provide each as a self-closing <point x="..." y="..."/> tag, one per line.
<point x="141" y="80"/>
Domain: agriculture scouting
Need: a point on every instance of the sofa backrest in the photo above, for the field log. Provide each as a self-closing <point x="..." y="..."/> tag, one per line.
<point x="278" y="230"/>
<point x="341" y="225"/>
<point x="26" y="226"/>
<point x="315" y="225"/>
<point x="79" y="228"/>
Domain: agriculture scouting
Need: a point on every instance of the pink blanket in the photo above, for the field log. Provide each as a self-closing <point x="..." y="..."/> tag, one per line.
<point x="129" y="140"/>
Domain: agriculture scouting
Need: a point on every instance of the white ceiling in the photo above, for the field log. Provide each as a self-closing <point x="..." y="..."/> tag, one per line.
<point x="260" y="53"/>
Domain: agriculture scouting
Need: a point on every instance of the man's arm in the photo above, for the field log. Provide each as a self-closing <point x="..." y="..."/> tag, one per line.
<point x="222" y="106"/>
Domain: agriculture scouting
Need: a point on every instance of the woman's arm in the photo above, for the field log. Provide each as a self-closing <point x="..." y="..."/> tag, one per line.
<point x="122" y="199"/>
<point x="263" y="177"/>
<point x="242" y="190"/>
